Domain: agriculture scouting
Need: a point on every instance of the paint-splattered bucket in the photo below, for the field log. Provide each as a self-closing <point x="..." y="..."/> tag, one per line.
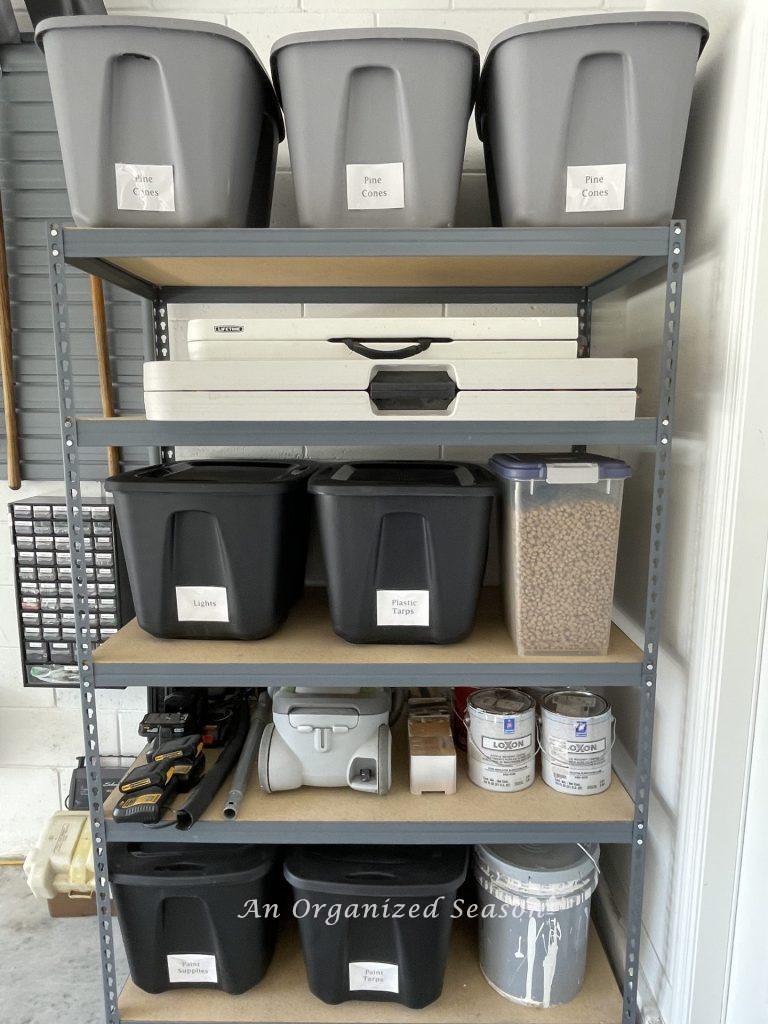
<point x="534" y="921"/>
<point x="501" y="740"/>
<point x="576" y="737"/>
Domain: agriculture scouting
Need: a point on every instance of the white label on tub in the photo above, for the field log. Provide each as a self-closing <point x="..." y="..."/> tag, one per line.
<point x="145" y="187"/>
<point x="202" y="604"/>
<point x="367" y="976"/>
<point x="595" y="187"/>
<point x="402" y="607"/>
<point x="375" y="187"/>
<point x="191" y="967"/>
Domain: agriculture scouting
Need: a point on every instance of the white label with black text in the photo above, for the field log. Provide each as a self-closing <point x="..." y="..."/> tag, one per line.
<point x="375" y="187"/>
<point x="595" y="187"/>
<point x="202" y="604"/>
<point x="192" y="967"/>
<point x="402" y="607"/>
<point x="367" y="976"/>
<point x="147" y="187"/>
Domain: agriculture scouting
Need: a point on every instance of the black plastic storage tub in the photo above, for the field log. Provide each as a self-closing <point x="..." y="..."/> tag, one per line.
<point x="215" y="550"/>
<point x="383" y="920"/>
<point x="405" y="547"/>
<point x="188" y="916"/>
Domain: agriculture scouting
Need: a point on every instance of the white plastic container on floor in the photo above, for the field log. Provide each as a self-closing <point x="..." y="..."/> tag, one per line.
<point x="560" y="533"/>
<point x="61" y="862"/>
<point x="377" y="123"/>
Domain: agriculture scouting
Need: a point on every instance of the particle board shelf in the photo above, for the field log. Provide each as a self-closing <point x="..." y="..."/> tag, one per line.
<point x="306" y="649"/>
<point x="471" y="815"/>
<point x="410" y="259"/>
<point x="283" y="998"/>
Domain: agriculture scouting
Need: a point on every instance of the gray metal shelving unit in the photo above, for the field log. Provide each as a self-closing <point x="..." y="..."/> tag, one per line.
<point x="577" y="265"/>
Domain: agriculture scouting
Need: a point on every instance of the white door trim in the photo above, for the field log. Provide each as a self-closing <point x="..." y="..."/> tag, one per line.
<point x="724" y="673"/>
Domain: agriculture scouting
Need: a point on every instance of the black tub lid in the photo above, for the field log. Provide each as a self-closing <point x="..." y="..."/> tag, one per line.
<point x="215" y="476"/>
<point x="185" y="864"/>
<point x="587" y="21"/>
<point x="395" y="478"/>
<point x="174" y="24"/>
<point x="377" y="871"/>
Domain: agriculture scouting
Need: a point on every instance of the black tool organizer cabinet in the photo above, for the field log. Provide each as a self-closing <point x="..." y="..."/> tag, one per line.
<point x="577" y="265"/>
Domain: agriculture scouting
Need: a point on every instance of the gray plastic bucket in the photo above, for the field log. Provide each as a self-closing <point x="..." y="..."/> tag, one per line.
<point x="583" y="119"/>
<point x="534" y="922"/>
<point x="377" y="123"/>
<point x="162" y="122"/>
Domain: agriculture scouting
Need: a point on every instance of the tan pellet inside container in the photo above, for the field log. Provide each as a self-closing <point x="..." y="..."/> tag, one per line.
<point x="560" y="549"/>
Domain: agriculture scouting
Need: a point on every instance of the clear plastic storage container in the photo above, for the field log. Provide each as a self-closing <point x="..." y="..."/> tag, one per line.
<point x="560" y="533"/>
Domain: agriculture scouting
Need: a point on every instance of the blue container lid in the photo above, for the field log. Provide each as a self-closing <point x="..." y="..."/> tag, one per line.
<point x="534" y="466"/>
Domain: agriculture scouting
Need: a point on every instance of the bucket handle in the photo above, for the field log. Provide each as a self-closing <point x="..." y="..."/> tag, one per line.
<point x="585" y="851"/>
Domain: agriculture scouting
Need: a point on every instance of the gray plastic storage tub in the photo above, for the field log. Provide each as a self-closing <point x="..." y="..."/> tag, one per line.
<point x="377" y="123"/>
<point x="162" y="122"/>
<point x="583" y="119"/>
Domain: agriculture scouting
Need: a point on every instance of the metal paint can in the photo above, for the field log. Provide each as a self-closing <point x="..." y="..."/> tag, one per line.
<point x="501" y="740"/>
<point x="576" y="737"/>
<point x="534" y="921"/>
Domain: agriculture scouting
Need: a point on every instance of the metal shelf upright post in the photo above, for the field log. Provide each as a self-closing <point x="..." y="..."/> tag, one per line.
<point x="164" y="266"/>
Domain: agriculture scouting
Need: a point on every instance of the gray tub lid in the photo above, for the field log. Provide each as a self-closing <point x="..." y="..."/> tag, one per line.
<point x="551" y="863"/>
<point x="587" y="21"/>
<point x="597" y="20"/>
<point x="337" y="35"/>
<point x="175" y="24"/>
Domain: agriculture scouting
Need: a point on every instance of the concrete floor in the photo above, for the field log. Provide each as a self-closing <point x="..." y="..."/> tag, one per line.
<point x="50" y="970"/>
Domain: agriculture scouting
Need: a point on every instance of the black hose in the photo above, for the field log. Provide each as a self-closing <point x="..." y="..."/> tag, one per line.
<point x="200" y="797"/>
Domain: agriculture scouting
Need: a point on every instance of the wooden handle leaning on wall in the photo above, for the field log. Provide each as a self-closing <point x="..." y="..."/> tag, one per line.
<point x="6" y="367"/>
<point x="102" y="361"/>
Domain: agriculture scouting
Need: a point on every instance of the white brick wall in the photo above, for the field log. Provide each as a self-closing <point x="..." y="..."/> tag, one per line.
<point x="40" y="733"/>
